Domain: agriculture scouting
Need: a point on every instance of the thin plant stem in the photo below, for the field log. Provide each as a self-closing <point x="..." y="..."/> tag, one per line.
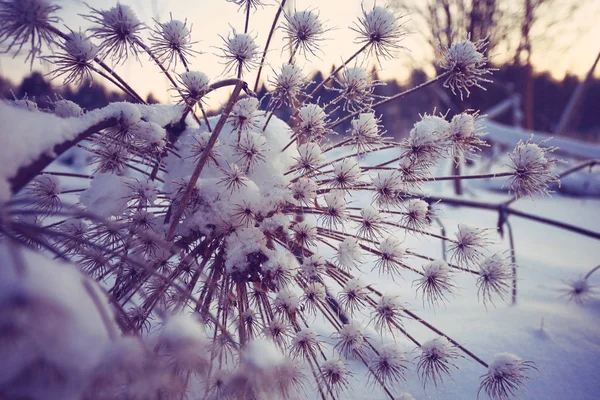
<point x="268" y="43"/>
<point x="395" y="97"/>
<point x="203" y="159"/>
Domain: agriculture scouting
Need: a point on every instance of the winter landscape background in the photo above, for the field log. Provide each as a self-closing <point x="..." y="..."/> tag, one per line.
<point x="534" y="83"/>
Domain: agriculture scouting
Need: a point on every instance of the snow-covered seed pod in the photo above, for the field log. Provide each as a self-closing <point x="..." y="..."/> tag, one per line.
<point x="310" y="157"/>
<point x="251" y="149"/>
<point x="365" y="131"/>
<point x="184" y="340"/>
<point x="303" y="31"/>
<point x="74" y="59"/>
<point x="350" y="339"/>
<point x="470" y="241"/>
<point x="149" y="137"/>
<point x="290" y="378"/>
<point x="313" y="267"/>
<point x="438" y="357"/>
<point x="334" y="375"/>
<point x="277" y="223"/>
<point x="532" y="169"/>
<point x="389" y="364"/>
<point x="356" y="89"/>
<point x="66" y="109"/>
<point x="280" y="269"/>
<point x="313" y="122"/>
<point x="240" y="53"/>
<point x="244" y="114"/>
<point x="110" y="158"/>
<point x="334" y="213"/>
<point x="305" y="234"/>
<point x="118" y="30"/>
<point x="388" y="313"/>
<point x="466" y="65"/>
<point x="464" y="135"/>
<point x="172" y="41"/>
<point x="75" y="233"/>
<point x="371" y="223"/>
<point x="387" y="185"/>
<point x="27" y="21"/>
<point x="314" y="296"/>
<point x="245" y="4"/>
<point x="418" y="215"/>
<point x="379" y="30"/>
<point x="390" y="255"/>
<point x="234" y="178"/>
<point x="195" y="85"/>
<point x="287" y="84"/>
<point x="304" y="190"/>
<point x="305" y="343"/>
<point x="345" y="174"/>
<point x="435" y="282"/>
<point x="286" y="303"/>
<point x="43" y="192"/>
<point x="144" y="191"/>
<point x="348" y="254"/>
<point x="277" y="331"/>
<point x="506" y="375"/>
<point x="197" y="144"/>
<point x="426" y="141"/>
<point x="353" y="296"/>
<point x="494" y="276"/>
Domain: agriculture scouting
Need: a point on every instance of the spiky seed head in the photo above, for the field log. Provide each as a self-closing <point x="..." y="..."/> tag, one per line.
<point x="466" y="63"/>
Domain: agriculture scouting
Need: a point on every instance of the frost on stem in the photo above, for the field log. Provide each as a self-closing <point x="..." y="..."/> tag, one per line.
<point x="466" y="63"/>
<point x="118" y="30"/>
<point x="172" y="41"/>
<point x="437" y="360"/>
<point x="239" y="53"/>
<point x="26" y="21"/>
<point x="379" y="30"/>
<point x="303" y="31"/>
<point x="532" y="169"/>
<point x="506" y="375"/>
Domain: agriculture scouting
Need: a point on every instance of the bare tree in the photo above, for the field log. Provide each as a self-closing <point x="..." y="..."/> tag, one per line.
<point x="514" y="29"/>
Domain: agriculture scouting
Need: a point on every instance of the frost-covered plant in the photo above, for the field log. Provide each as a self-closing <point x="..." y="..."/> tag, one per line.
<point x="223" y="245"/>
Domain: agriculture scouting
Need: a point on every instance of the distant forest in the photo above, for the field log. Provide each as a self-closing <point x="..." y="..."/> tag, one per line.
<point x="550" y="99"/>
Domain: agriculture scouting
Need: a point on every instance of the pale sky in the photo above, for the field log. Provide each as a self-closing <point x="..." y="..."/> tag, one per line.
<point x="211" y="18"/>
